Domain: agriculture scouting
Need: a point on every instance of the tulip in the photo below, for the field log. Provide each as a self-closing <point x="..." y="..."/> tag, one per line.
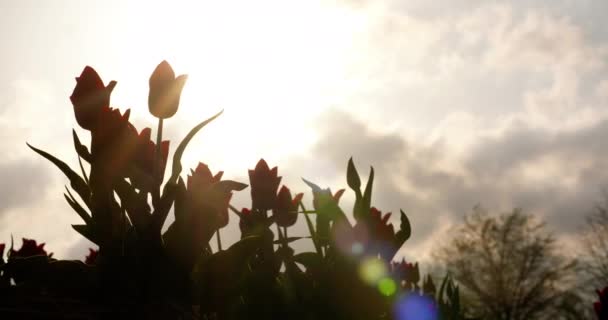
<point x="2" y="247"/>
<point x="407" y="273"/>
<point x="113" y="146"/>
<point x="209" y="207"/>
<point x="264" y="185"/>
<point x="145" y="157"/>
<point x="286" y="208"/>
<point x="165" y="91"/>
<point x="29" y="248"/>
<point x="90" y="97"/>
<point x="91" y="257"/>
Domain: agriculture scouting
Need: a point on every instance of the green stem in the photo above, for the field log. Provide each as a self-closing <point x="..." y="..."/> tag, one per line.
<point x="219" y="240"/>
<point x="158" y="175"/>
<point x="311" y="229"/>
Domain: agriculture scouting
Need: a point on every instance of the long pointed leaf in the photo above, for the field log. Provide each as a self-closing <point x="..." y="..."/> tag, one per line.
<point x="86" y="232"/>
<point x="77" y="183"/>
<point x="81" y="149"/>
<point x="177" y="156"/>
<point x="367" y="195"/>
<point x="77" y="207"/>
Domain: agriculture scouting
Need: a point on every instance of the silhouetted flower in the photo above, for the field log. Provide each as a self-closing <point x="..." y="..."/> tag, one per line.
<point x="325" y="194"/>
<point x="407" y="273"/>
<point x="90" y="97"/>
<point x="91" y="257"/>
<point x="29" y="248"/>
<point x="113" y="145"/>
<point x="145" y="157"/>
<point x="384" y="231"/>
<point x="601" y="306"/>
<point x="264" y="185"/>
<point x="285" y="211"/>
<point x="165" y="91"/>
<point x="209" y="207"/>
<point x="2" y="247"/>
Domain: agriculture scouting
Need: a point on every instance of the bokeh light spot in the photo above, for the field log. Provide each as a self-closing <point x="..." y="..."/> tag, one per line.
<point x="415" y="307"/>
<point x="387" y="286"/>
<point x="372" y="270"/>
<point x="357" y="249"/>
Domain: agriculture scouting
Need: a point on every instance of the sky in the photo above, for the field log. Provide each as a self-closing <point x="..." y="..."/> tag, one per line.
<point x="455" y="104"/>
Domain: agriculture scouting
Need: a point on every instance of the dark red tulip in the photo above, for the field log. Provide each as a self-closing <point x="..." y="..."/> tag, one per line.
<point x="92" y="257"/>
<point x="29" y="248"/>
<point x="2" y="247"/>
<point x="384" y="231"/>
<point x="90" y="97"/>
<point x="264" y="185"/>
<point x="285" y="211"/>
<point x="113" y="145"/>
<point x="601" y="306"/>
<point x="407" y="273"/>
<point x="209" y="207"/>
<point x="165" y="91"/>
<point x="145" y="157"/>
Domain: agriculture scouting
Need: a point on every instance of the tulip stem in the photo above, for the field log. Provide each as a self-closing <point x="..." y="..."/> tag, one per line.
<point x="157" y="161"/>
<point x="219" y="240"/>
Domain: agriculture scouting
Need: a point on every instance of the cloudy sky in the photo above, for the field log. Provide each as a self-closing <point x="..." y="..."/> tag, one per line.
<point x="498" y="103"/>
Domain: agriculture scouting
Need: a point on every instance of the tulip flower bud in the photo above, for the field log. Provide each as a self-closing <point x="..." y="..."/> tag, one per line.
<point x="165" y="91"/>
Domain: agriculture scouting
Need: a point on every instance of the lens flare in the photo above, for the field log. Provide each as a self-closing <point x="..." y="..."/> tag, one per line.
<point x="415" y="307"/>
<point x="387" y="286"/>
<point x="371" y="270"/>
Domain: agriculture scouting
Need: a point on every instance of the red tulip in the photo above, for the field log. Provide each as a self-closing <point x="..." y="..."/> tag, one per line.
<point x="165" y="91"/>
<point x="145" y="157"/>
<point x="407" y="273"/>
<point x="113" y="145"/>
<point x="90" y="97"/>
<point x="92" y="257"/>
<point x="2" y="246"/>
<point x="384" y="231"/>
<point x="264" y="185"/>
<point x="29" y="248"/>
<point x="286" y="208"/>
<point x="209" y="207"/>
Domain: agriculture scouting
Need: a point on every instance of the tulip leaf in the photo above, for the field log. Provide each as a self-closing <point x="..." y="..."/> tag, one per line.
<point x="405" y="230"/>
<point x="86" y="232"/>
<point x="229" y="186"/>
<point x="77" y="183"/>
<point x="352" y="177"/>
<point x="177" y="156"/>
<point x="290" y="239"/>
<point x="135" y="204"/>
<point x="77" y="207"/>
<point x="310" y="260"/>
<point x="81" y="149"/>
<point x="367" y="195"/>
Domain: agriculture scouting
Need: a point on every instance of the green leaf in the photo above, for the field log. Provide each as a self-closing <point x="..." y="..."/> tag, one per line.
<point x="289" y="240"/>
<point x="228" y="186"/>
<point x="177" y="156"/>
<point x="86" y="231"/>
<point x="367" y="195"/>
<point x="77" y="183"/>
<point x="310" y="260"/>
<point x="405" y="230"/>
<point x="352" y="177"/>
<point x="81" y="149"/>
<point x="77" y="207"/>
<point x="135" y="204"/>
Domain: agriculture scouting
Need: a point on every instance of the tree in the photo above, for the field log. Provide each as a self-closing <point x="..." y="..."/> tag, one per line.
<point x="509" y="267"/>
<point x="595" y="246"/>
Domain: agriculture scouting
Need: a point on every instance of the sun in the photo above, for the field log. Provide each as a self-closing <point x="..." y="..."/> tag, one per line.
<point x="273" y="66"/>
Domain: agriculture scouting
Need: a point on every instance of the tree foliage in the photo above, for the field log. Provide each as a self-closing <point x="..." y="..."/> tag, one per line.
<point x="509" y="266"/>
